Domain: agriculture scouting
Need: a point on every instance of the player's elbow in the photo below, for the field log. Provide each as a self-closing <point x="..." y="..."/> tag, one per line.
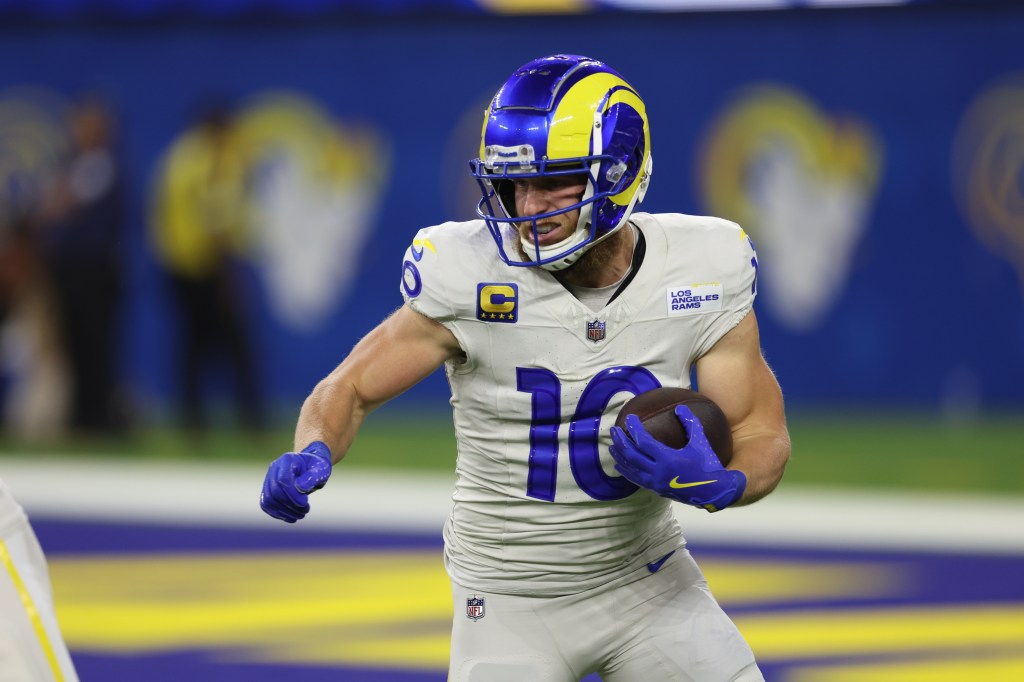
<point x="778" y="453"/>
<point x="763" y="459"/>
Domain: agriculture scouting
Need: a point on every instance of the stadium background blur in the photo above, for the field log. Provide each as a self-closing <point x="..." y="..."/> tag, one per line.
<point x="871" y="150"/>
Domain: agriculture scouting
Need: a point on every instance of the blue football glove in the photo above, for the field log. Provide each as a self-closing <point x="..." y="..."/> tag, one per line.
<point x="692" y="475"/>
<point x="290" y="479"/>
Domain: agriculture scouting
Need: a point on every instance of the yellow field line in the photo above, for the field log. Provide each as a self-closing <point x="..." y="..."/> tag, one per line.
<point x="845" y="631"/>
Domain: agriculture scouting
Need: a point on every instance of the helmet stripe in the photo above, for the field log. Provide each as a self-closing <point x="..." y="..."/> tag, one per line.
<point x="572" y="125"/>
<point x="569" y="135"/>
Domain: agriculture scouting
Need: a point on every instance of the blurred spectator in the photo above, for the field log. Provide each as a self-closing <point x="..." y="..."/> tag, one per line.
<point x="201" y="231"/>
<point x="83" y="220"/>
<point x="34" y="388"/>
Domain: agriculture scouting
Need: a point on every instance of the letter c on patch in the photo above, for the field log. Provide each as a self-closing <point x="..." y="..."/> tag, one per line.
<point x="497" y="298"/>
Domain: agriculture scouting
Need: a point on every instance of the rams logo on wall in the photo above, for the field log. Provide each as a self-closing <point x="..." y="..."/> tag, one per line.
<point x="310" y="188"/>
<point x="802" y="183"/>
<point x="988" y="168"/>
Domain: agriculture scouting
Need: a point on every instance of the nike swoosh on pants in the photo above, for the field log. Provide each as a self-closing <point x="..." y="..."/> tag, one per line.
<point x="655" y="565"/>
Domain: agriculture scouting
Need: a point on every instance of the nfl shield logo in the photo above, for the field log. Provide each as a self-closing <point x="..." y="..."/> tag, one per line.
<point x="595" y="330"/>
<point x="475" y="608"/>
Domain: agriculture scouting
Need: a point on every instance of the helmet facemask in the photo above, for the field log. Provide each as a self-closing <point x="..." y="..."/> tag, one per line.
<point x="498" y="208"/>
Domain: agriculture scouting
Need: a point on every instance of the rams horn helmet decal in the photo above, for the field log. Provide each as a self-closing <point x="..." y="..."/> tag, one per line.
<point x="561" y="115"/>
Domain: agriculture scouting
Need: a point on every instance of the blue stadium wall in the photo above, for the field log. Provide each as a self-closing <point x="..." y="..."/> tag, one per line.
<point x="892" y="130"/>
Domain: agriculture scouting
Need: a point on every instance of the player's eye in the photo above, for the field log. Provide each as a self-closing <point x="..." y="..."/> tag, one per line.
<point x="567" y="183"/>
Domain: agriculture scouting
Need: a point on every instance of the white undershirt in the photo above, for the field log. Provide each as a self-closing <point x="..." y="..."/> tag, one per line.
<point x="597" y="298"/>
<point x="594" y="298"/>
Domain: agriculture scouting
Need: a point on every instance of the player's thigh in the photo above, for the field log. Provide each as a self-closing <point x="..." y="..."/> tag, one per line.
<point x="677" y="631"/>
<point x="501" y="638"/>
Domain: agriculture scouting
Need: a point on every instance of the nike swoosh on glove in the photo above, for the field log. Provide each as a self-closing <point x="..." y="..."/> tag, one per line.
<point x="692" y="475"/>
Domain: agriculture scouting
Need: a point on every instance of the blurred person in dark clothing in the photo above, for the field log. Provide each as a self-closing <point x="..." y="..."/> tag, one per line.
<point x="83" y="219"/>
<point x="201" y="230"/>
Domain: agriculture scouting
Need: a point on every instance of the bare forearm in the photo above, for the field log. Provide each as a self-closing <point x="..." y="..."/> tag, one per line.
<point x="762" y="458"/>
<point x="392" y="358"/>
<point x="396" y="355"/>
<point x="331" y="414"/>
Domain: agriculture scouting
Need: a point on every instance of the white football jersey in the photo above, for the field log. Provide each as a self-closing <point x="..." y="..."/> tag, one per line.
<point x="539" y="507"/>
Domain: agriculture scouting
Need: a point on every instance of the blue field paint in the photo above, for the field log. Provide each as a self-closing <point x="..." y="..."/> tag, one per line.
<point x="203" y="667"/>
<point x="72" y="537"/>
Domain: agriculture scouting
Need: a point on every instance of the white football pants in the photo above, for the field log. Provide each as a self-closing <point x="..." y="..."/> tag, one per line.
<point x="663" y="626"/>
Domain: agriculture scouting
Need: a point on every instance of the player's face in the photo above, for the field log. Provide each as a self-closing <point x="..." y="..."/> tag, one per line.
<point x="543" y="195"/>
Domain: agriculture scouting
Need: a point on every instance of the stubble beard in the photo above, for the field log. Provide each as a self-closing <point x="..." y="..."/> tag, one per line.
<point x="594" y="262"/>
<point x="591" y="264"/>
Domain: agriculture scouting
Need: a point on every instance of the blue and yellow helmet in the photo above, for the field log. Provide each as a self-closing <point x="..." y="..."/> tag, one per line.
<point x="561" y="115"/>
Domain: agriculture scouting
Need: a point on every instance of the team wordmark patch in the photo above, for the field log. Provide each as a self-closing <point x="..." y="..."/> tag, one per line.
<point x="497" y="302"/>
<point x="475" y="608"/>
<point x="690" y="299"/>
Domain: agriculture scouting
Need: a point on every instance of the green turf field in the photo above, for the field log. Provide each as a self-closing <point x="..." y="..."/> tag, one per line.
<point x="921" y="453"/>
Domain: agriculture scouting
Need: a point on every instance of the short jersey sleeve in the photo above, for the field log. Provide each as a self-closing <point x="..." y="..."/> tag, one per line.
<point x="730" y="252"/>
<point x="424" y="285"/>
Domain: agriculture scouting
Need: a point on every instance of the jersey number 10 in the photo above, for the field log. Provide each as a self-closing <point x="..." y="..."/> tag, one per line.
<point x="584" y="428"/>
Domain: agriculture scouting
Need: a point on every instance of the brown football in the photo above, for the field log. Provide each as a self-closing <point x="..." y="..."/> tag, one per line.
<point x="656" y="410"/>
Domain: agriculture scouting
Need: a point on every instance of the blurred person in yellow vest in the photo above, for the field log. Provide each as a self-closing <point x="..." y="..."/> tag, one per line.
<point x="201" y="231"/>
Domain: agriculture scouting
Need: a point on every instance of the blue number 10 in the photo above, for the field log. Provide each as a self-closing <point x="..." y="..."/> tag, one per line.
<point x="584" y="457"/>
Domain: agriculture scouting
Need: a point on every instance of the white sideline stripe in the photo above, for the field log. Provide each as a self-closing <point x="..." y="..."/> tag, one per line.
<point x="227" y="494"/>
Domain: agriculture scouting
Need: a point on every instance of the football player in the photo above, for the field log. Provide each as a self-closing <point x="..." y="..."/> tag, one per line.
<point x="562" y="547"/>
<point x="31" y="645"/>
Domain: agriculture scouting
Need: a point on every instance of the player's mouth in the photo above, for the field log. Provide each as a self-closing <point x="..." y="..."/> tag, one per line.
<point x="547" y="233"/>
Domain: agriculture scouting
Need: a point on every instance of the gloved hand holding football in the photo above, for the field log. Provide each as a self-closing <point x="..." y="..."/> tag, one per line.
<point x="660" y="444"/>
